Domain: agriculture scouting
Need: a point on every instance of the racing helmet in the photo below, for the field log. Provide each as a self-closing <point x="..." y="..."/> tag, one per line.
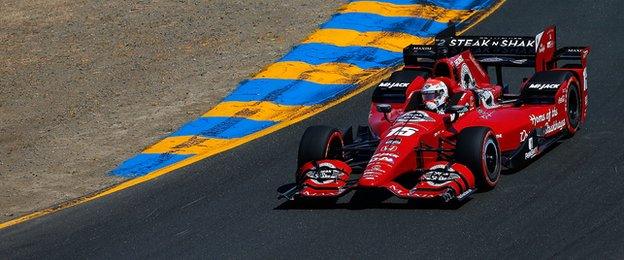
<point x="434" y="94"/>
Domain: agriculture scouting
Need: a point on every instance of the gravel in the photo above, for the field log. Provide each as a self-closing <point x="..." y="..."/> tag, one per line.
<point x="87" y="84"/>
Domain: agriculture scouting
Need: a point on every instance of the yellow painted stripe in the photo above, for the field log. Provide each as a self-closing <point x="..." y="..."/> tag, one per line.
<point x="391" y="41"/>
<point x="226" y="146"/>
<point x="256" y="110"/>
<point x="326" y="73"/>
<point x="371" y="81"/>
<point x="187" y="145"/>
<point x="430" y="12"/>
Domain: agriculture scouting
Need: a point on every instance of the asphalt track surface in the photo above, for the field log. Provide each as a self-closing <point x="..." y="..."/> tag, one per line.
<point x="567" y="203"/>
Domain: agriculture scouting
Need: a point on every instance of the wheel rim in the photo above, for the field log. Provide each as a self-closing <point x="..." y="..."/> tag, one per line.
<point x="573" y="107"/>
<point x="491" y="160"/>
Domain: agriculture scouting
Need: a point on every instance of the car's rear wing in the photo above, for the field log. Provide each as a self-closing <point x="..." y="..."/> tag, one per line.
<point x="578" y="54"/>
<point x="498" y="51"/>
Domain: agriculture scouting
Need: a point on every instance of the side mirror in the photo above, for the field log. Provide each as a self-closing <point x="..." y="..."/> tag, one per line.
<point x="384" y="108"/>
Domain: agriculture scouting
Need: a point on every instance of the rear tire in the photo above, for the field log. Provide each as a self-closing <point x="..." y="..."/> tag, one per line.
<point x="318" y="143"/>
<point x="477" y="149"/>
<point x="573" y="114"/>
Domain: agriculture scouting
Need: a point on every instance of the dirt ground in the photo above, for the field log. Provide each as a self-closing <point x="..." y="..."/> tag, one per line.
<point x="85" y="84"/>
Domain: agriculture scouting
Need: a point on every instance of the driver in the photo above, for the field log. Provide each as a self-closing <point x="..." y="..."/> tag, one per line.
<point x="434" y="95"/>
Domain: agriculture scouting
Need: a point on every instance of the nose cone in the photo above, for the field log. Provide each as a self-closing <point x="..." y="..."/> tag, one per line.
<point x="395" y="153"/>
<point x="380" y="169"/>
<point x="369" y="182"/>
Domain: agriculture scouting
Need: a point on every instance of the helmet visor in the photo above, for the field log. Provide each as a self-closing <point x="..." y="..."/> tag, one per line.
<point x="429" y="96"/>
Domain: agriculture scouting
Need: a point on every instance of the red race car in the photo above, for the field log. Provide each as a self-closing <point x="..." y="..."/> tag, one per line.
<point x="440" y="129"/>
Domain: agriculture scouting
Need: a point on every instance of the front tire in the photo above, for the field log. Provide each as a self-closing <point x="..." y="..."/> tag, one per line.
<point x="477" y="149"/>
<point x="318" y="143"/>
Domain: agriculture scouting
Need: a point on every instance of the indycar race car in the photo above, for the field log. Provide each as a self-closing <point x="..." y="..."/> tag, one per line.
<point x="418" y="149"/>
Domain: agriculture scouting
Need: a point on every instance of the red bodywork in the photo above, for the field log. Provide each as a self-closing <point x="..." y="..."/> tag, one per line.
<point x="414" y="143"/>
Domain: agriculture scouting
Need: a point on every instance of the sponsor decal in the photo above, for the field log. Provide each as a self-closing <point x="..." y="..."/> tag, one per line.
<point x="532" y="150"/>
<point x="539" y="86"/>
<point x="395" y="189"/>
<point x="440" y="175"/>
<point x="564" y="99"/>
<point x="458" y="61"/>
<point x="499" y="136"/>
<point x="530" y="154"/>
<point x="373" y="171"/>
<point x="325" y="173"/>
<point x="421" y="48"/>
<point x="508" y="42"/>
<point x="320" y="193"/>
<point x="414" y="194"/>
<point x="557" y="126"/>
<point x="484" y="114"/>
<point x="550" y="44"/>
<point x="393" y="141"/>
<point x="377" y="167"/>
<point x="506" y="59"/>
<point x="464" y="194"/>
<point x="520" y="61"/>
<point x="492" y="59"/>
<point x="369" y="175"/>
<point x="394" y="84"/>
<point x="389" y="148"/>
<point x="402" y="131"/>
<point x="393" y="155"/>
<point x="384" y="157"/>
<point x="415" y="116"/>
<point x="536" y="119"/>
<point x="523" y="135"/>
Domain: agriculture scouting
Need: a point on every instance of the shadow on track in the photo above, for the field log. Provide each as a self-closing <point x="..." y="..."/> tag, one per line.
<point x="521" y="167"/>
<point x="368" y="199"/>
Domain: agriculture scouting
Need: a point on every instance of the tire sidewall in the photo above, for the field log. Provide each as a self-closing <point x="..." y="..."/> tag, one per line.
<point x="471" y="150"/>
<point x="572" y="86"/>
<point x="316" y="143"/>
<point x="490" y="139"/>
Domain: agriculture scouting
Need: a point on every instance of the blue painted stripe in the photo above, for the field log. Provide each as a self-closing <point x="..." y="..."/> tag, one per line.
<point x="222" y="127"/>
<point x="448" y="4"/>
<point x="363" y="57"/>
<point x="143" y="163"/>
<point x="365" y="22"/>
<point x="287" y="91"/>
<point x="301" y="92"/>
